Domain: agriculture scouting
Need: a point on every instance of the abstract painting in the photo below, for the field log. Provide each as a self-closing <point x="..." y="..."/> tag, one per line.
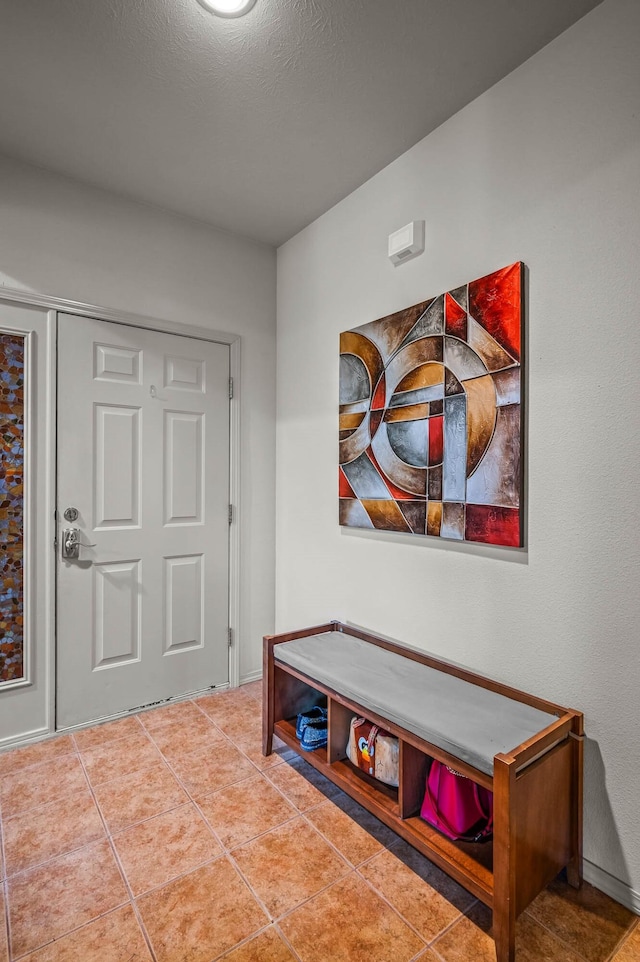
<point x="430" y="416"/>
<point x="11" y="507"/>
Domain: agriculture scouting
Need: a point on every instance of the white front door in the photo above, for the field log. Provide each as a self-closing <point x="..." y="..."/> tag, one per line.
<point x="143" y="458"/>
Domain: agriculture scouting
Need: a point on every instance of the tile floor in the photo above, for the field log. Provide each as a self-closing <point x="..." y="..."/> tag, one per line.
<point x="167" y="836"/>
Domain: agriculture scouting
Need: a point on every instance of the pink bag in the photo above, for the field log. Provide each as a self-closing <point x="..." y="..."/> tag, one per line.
<point x="457" y="806"/>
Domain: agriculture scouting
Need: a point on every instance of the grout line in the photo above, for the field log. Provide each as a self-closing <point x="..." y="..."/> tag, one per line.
<point x="555" y="936"/>
<point x="51" y="941"/>
<point x="635" y="924"/>
<point x="54" y="858"/>
<point x="345" y="858"/>
<point x="122" y="872"/>
<point x="451" y="925"/>
<point x="5" y="887"/>
<point x="40" y="804"/>
<point x="395" y="909"/>
<point x="54" y="801"/>
<point x="109" y="835"/>
<point x="228" y="852"/>
<point x="145" y="767"/>
<point x="623" y="941"/>
<point x="286" y="941"/>
<point x="310" y="898"/>
<point x="107" y="743"/>
<point x="43" y="761"/>
<point x="254" y="935"/>
<point x="225" y="851"/>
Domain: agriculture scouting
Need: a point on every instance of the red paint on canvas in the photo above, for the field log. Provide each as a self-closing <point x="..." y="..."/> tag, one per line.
<point x="345" y="489"/>
<point x="455" y="318"/>
<point x="493" y="524"/>
<point x="379" y="395"/>
<point x="374" y="422"/>
<point x="435" y="439"/>
<point x="495" y="302"/>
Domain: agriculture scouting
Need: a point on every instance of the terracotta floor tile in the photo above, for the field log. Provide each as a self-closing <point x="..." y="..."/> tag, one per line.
<point x="132" y="798"/>
<point x="115" y="937"/>
<point x="349" y="838"/>
<point x="266" y="947"/>
<point x="164" y="847"/>
<point x="302" y="784"/>
<point x="242" y="723"/>
<point x="350" y="923"/>
<point x="248" y="808"/>
<point x="210" y="769"/>
<point x="253" y="688"/>
<point x="179" y="711"/>
<point x="126" y="755"/>
<point x="251" y="746"/>
<point x="377" y="829"/>
<point x="50" y="900"/>
<point x="470" y="938"/>
<point x="108" y="732"/>
<point x="40" y="784"/>
<point x="177" y="739"/>
<point x="209" y="911"/>
<point x="424" y="896"/>
<point x="630" y="950"/>
<point x="50" y="830"/>
<point x="587" y="920"/>
<point x="4" y="950"/>
<point x="230" y="707"/>
<point x="19" y="758"/>
<point x="535" y="944"/>
<point x="288" y="865"/>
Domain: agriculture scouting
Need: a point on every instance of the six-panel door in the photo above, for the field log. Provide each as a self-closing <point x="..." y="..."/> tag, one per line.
<point x="143" y="456"/>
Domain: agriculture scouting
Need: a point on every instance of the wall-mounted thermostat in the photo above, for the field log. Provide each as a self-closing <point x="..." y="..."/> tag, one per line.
<point x="407" y="242"/>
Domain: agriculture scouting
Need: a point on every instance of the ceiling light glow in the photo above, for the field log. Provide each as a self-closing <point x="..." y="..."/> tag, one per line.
<point x="227" y="8"/>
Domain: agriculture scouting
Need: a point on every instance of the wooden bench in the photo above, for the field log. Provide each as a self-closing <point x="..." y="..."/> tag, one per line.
<point x="526" y="750"/>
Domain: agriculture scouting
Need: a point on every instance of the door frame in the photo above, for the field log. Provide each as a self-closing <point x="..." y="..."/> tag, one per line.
<point x="56" y="305"/>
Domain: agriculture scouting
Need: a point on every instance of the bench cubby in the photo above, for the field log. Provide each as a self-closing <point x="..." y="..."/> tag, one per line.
<point x="537" y="782"/>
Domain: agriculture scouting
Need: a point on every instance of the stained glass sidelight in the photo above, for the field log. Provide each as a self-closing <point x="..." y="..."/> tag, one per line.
<point x="11" y="507"/>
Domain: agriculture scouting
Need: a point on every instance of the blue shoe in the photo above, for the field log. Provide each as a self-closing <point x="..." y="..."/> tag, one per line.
<point x="314" y="736"/>
<point x="304" y="718"/>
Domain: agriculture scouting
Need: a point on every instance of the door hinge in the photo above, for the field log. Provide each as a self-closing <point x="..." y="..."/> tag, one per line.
<point x="230" y="514"/>
<point x="230" y="388"/>
<point x="230" y="637"/>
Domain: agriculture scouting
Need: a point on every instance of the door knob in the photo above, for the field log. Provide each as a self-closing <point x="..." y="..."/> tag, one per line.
<point x="71" y="544"/>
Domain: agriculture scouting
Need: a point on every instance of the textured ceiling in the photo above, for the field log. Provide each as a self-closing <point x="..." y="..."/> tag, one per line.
<point x="255" y="125"/>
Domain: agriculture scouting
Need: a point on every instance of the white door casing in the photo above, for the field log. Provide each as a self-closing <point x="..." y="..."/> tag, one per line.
<point x="143" y="455"/>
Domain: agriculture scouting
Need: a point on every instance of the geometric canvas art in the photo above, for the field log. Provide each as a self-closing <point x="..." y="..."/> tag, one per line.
<point x="430" y="416"/>
<point x="11" y="507"/>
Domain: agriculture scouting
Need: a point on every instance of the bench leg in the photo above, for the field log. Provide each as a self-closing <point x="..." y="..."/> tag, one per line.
<point x="504" y="868"/>
<point x="574" y="868"/>
<point x="268" y="696"/>
<point x="504" y="933"/>
<point x="574" y="873"/>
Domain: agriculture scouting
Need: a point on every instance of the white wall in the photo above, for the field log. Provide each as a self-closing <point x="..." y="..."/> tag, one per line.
<point x="545" y="167"/>
<point x="62" y="239"/>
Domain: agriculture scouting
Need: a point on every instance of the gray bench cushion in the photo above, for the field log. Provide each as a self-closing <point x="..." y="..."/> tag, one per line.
<point x="467" y="721"/>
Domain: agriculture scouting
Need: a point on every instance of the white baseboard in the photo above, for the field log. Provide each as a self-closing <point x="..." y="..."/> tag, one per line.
<point x="26" y="738"/>
<point x="611" y="886"/>
<point x="251" y="676"/>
